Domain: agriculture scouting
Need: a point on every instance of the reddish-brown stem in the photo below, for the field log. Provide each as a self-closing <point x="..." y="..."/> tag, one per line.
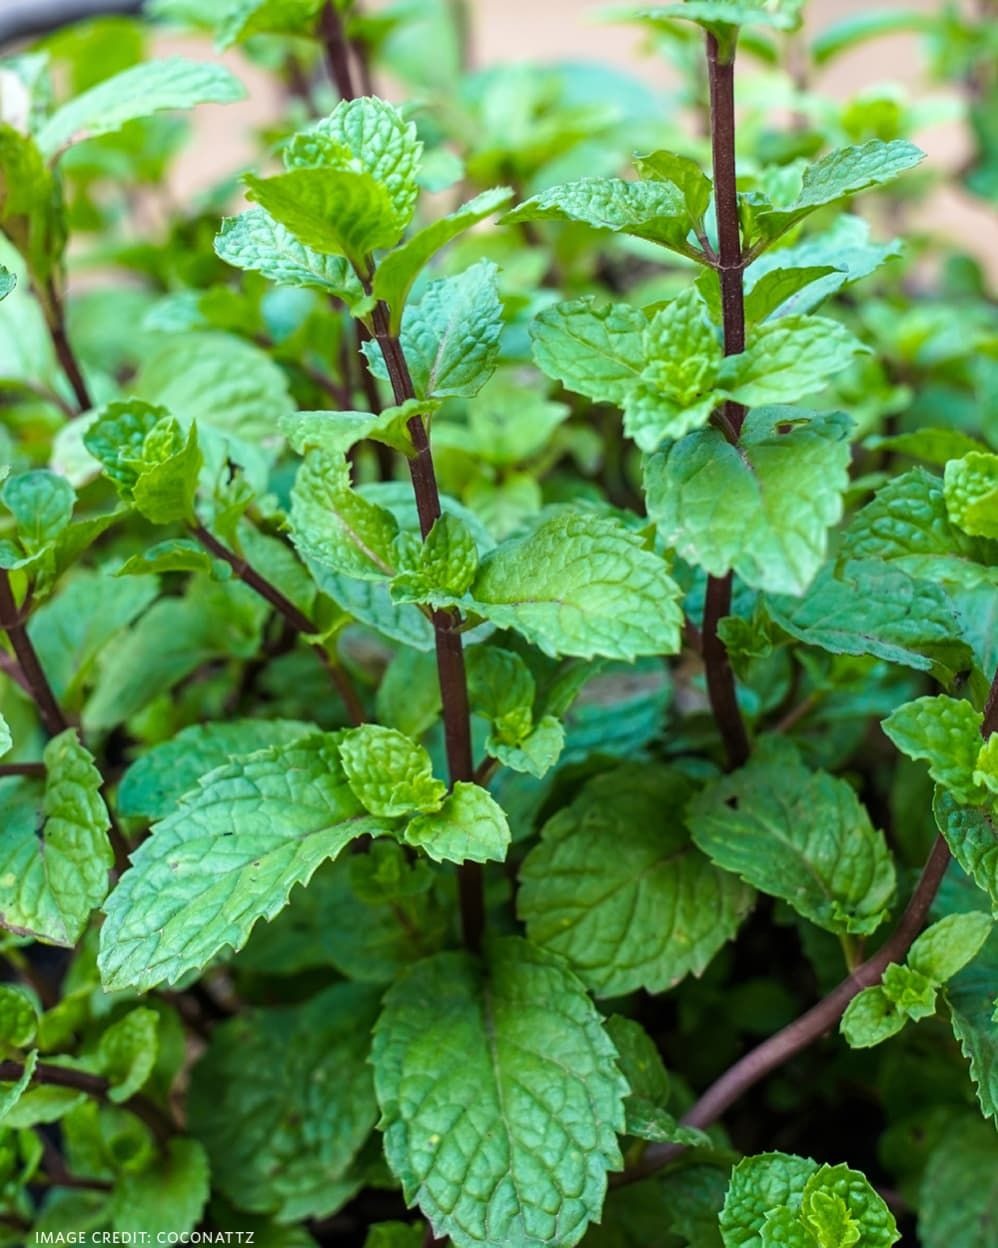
<point x="92" y="1085"/>
<point x="803" y="1031"/>
<point x="22" y="769"/>
<point x="14" y="623"/>
<point x="55" y="319"/>
<point x="730" y="271"/>
<point x="337" y="50"/>
<point x="446" y="624"/>
<point x="298" y="620"/>
<point x="990" y="722"/>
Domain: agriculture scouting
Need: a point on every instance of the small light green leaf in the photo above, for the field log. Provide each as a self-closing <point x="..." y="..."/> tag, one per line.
<point x="846" y="171"/>
<point x="972" y="835"/>
<point x="443" y="566"/>
<point x="624" y="606"/>
<point x="244" y="18"/>
<point x="339" y="212"/>
<point x="841" y="1208"/>
<point x="625" y="897"/>
<point x="153" y="786"/>
<point x="959" y="1189"/>
<point x="49" y="884"/>
<point x="167" y="482"/>
<point x="450" y="338"/>
<point x="683" y="173"/>
<point x="400" y="268"/>
<point x="910" y="991"/>
<point x="536" y="753"/>
<point x="172" y="1192"/>
<point x="654" y="211"/>
<point x="127" y="1051"/>
<point x="799" y="835"/>
<point x="639" y="1060"/>
<point x="945" y="948"/>
<point x="256" y="242"/>
<point x="12" y="1093"/>
<point x="41" y="503"/>
<point x="762" y="509"/>
<point x="595" y="349"/>
<point x="789" y="358"/>
<point x="335" y="525"/>
<point x="18" y="1018"/>
<point x="773" y="294"/>
<point x="501" y="687"/>
<point x="227" y="857"/>
<point x="283" y="1143"/>
<point x="470" y="826"/>
<point x="971" y="491"/>
<point x="758" y="1186"/>
<point x="871" y="1017"/>
<point x="515" y="1052"/>
<point x="137" y="92"/>
<point x="946" y="733"/>
<point x="175" y="554"/>
<point x="390" y="775"/>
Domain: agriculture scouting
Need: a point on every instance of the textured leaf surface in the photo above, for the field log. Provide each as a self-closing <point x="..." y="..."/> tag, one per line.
<point x="946" y="732"/>
<point x="595" y="349"/>
<point x="500" y="1097"/>
<point x="283" y="1142"/>
<point x="654" y="211"/>
<point x="470" y="826"/>
<point x="49" y="884"/>
<point x="581" y="584"/>
<point x="971" y="996"/>
<point x="381" y="142"/>
<point x="256" y="242"/>
<point x="617" y="887"/>
<point x="227" y="857"/>
<point x="763" y="509"/>
<point x="389" y="774"/>
<point x="972" y="835"/>
<point x="789" y="358"/>
<point x="799" y="835"/>
<point x="971" y="488"/>
<point x="138" y="92"/>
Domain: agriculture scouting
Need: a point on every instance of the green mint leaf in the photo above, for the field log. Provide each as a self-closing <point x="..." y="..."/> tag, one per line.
<point x="137" y="92"/>
<point x="246" y="18"/>
<point x="337" y="526"/>
<point x="762" y="509"/>
<point x="850" y="32"/>
<point x="654" y="211"/>
<point x="722" y="18"/>
<point x="971" y="995"/>
<point x="760" y="1185"/>
<point x="12" y="1093"/>
<point x="870" y="1018"/>
<point x="593" y="348"/>
<point x="840" y="1208"/>
<point x="18" y="1018"/>
<point x="509" y="424"/>
<point x="629" y="902"/>
<point x="502" y="688"/>
<point x="173" y="1192"/>
<point x="470" y="826"/>
<point x="153" y="786"/>
<point x="872" y="608"/>
<point x="6" y="740"/>
<point x="907" y="523"/>
<point x="494" y="1043"/>
<point x="397" y="272"/>
<point x="228" y="856"/>
<point x="7" y="282"/>
<point x="625" y="606"/>
<point x="443" y="566"/>
<point x="946" y="733"/>
<point x="685" y="174"/>
<point x="340" y="431"/>
<point x="536" y="752"/>
<point x="126" y="1052"/>
<point x="959" y="1187"/>
<point x="390" y="775"/>
<point x="639" y="1060"/>
<point x="773" y="294"/>
<point x="176" y="554"/>
<point x="408" y="697"/>
<point x="800" y="835"/>
<point x="451" y="336"/>
<point x="788" y="359"/>
<point x="945" y="948"/>
<point x="846" y="171"/>
<point x="972" y="835"/>
<point x="971" y="492"/>
<point x="395" y="1235"/>
<point x="339" y="212"/>
<point x="283" y="1143"/>
<point x="254" y="241"/>
<point x="911" y="992"/>
<point x="152" y="462"/>
<point x="42" y="506"/>
<point x="50" y="884"/>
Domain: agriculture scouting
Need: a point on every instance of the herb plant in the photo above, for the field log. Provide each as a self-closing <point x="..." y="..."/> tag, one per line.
<point x="499" y="710"/>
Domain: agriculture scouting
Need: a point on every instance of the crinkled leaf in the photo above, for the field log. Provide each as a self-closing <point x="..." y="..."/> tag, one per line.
<point x="762" y="509"/>
<point x="758" y="1186"/>
<point x="945" y="948"/>
<point x="682" y="172"/>
<point x="50" y="884"/>
<point x="138" y="92"/>
<point x="500" y="1097"/>
<point x="971" y="491"/>
<point x="470" y="826"/>
<point x="390" y="774"/>
<point x="617" y="887"/>
<point x="41" y="503"/>
<point x="971" y="996"/>
<point x="443" y="566"/>
<point x="972" y="835"/>
<point x="870" y="1018"/>
<point x="595" y="349"/>
<point x="946" y="733"/>
<point x="789" y="358"/>
<point x="581" y="584"/>
<point x="228" y="856"/>
<point x="800" y="835"/>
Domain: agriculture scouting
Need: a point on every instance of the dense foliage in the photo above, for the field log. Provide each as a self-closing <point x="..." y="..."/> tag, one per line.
<point x="586" y="830"/>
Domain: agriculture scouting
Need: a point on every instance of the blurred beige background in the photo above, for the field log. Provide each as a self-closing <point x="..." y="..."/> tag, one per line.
<point x="551" y="30"/>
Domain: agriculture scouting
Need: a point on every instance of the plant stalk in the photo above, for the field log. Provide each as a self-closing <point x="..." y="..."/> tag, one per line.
<point x="286" y="608"/>
<point x="14" y="624"/>
<point x="730" y="271"/>
<point x="446" y="623"/>
<point x="337" y="50"/>
<point x="55" y="319"/>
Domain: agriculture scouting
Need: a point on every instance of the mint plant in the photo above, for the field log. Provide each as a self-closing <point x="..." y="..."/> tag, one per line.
<point x="498" y="702"/>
